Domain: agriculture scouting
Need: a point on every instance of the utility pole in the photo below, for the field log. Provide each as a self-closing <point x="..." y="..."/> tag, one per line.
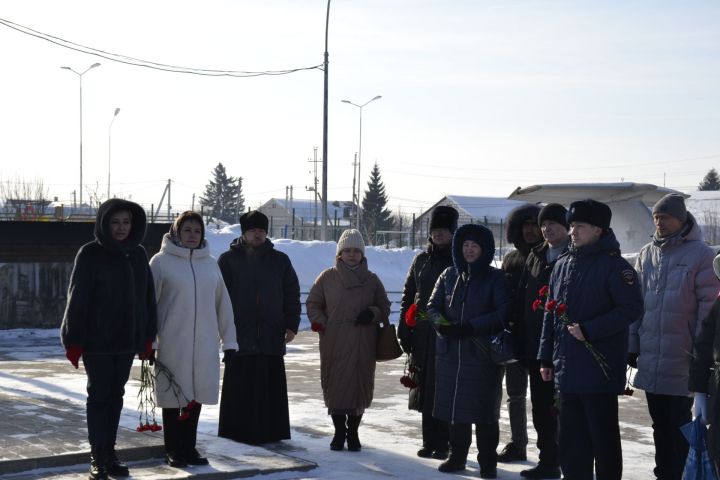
<point x="355" y="199"/>
<point x="192" y="205"/>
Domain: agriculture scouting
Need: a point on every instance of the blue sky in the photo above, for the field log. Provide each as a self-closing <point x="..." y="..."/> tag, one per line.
<point x="479" y="97"/>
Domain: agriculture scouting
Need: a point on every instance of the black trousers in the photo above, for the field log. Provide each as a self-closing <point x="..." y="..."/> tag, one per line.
<point x="669" y="413"/>
<point x="180" y="435"/>
<point x="590" y="433"/>
<point x="106" y="379"/>
<point x="516" y="385"/>
<point x="436" y="433"/>
<point x="544" y="415"/>
<point x="487" y="437"/>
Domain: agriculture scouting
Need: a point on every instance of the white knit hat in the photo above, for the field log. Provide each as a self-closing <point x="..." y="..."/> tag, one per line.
<point x="351" y="238"/>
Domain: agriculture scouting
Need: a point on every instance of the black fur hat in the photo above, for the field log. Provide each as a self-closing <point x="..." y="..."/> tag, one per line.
<point x="590" y="211"/>
<point x="515" y="220"/>
<point x="555" y="213"/>
<point x="444" y="216"/>
<point x="254" y="219"/>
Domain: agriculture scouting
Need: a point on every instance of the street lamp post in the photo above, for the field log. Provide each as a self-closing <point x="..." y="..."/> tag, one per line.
<point x="80" y="75"/>
<point x="117" y="110"/>
<point x="360" y="107"/>
<point x="326" y="65"/>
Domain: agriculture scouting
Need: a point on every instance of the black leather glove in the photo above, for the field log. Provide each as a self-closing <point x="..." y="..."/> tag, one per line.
<point x="456" y="330"/>
<point x="365" y="317"/>
<point x="632" y="359"/>
<point x="228" y="354"/>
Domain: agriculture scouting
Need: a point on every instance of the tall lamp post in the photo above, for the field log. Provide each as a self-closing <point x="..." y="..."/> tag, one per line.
<point x="117" y="110"/>
<point x="360" y="107"/>
<point x="323" y="223"/>
<point x="80" y="75"/>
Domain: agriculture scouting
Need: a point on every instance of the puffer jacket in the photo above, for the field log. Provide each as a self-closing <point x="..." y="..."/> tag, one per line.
<point x="195" y="317"/>
<point x="705" y="372"/>
<point x="265" y="295"/>
<point x="468" y="386"/>
<point x="602" y="294"/>
<point x="679" y="287"/>
<point x="111" y="300"/>
<point x="419" y="341"/>
<point x="347" y="351"/>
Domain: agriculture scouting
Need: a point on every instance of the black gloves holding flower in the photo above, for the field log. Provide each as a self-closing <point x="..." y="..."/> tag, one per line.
<point x="456" y="330"/>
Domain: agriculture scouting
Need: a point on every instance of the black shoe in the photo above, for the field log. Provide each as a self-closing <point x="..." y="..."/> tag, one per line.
<point x="452" y="465"/>
<point x="488" y="471"/>
<point x="175" y="460"/>
<point x="541" y="471"/>
<point x="425" y="452"/>
<point x="353" y="440"/>
<point x="440" y="454"/>
<point x="511" y="453"/>
<point x="97" y="465"/>
<point x="194" y="458"/>
<point x="353" y="443"/>
<point x="115" y="467"/>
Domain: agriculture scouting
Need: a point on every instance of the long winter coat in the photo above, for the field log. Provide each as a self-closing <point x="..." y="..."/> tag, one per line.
<point x="419" y="341"/>
<point x="265" y="296"/>
<point x="111" y="299"/>
<point x="535" y="275"/>
<point x="602" y="294"/>
<point x="194" y="311"/>
<point x="679" y="287"/>
<point x="468" y="385"/>
<point x="347" y="352"/>
<point x="705" y="372"/>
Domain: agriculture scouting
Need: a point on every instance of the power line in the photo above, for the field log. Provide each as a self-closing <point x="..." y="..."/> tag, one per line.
<point x="146" y="63"/>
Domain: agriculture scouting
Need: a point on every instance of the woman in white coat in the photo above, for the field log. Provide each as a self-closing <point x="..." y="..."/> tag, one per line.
<point x="195" y="316"/>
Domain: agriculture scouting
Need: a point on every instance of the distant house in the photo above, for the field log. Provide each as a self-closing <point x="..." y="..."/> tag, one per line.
<point x="301" y="220"/>
<point x="488" y="211"/>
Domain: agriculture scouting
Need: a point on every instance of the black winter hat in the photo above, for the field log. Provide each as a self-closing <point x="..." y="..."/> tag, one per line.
<point x="555" y="213"/>
<point x="590" y="211"/>
<point x="253" y="219"/>
<point x="444" y="216"/>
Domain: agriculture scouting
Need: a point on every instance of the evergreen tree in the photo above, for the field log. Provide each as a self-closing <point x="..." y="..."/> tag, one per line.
<point x="711" y="181"/>
<point x="224" y="195"/>
<point x="374" y="214"/>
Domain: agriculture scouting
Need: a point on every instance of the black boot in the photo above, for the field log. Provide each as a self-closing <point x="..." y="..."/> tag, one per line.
<point x="338" y="441"/>
<point x="353" y="440"/>
<point x="97" y="464"/>
<point x="172" y="435"/>
<point x="188" y="438"/>
<point x="113" y="465"/>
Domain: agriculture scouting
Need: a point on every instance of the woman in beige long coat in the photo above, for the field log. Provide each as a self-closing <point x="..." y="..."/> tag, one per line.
<point x="345" y="305"/>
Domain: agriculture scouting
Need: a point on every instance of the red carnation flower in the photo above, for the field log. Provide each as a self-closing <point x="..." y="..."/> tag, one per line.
<point x="184" y="415"/>
<point x="411" y="316"/>
<point x="544" y="290"/>
<point x="537" y="305"/>
<point x="317" y="327"/>
<point x="550" y="306"/>
<point x="628" y="391"/>
<point x="155" y="427"/>
<point x="191" y="404"/>
<point x="561" y="308"/>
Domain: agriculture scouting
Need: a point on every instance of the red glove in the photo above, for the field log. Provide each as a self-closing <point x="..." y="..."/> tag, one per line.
<point x="73" y="353"/>
<point x="317" y="327"/>
<point x="148" y="351"/>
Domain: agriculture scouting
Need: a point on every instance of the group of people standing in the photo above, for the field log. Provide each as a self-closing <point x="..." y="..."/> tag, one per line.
<point x="580" y="315"/>
<point x="176" y="311"/>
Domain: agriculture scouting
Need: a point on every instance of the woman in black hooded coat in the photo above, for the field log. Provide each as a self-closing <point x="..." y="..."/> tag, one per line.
<point x="110" y="316"/>
<point x="471" y="301"/>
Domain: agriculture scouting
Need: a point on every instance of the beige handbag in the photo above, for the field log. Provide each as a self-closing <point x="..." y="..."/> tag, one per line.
<point x="387" y="347"/>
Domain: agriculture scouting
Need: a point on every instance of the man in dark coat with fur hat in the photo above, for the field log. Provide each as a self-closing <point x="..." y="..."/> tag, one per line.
<point x="523" y="232"/>
<point x="584" y="341"/>
<point x="265" y="295"/>
<point x="418" y="340"/>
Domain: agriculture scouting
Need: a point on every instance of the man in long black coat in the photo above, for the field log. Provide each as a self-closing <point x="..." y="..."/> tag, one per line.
<point x="418" y="341"/>
<point x="265" y="295"/>
<point x="523" y="232"/>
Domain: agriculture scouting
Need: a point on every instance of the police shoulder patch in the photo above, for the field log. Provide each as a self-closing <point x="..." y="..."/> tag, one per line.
<point x="628" y="276"/>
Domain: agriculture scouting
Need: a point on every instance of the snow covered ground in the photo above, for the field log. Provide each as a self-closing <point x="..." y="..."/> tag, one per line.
<point x="389" y="432"/>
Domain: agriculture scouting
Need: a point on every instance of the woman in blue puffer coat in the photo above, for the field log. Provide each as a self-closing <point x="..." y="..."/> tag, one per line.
<point x="471" y="301"/>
